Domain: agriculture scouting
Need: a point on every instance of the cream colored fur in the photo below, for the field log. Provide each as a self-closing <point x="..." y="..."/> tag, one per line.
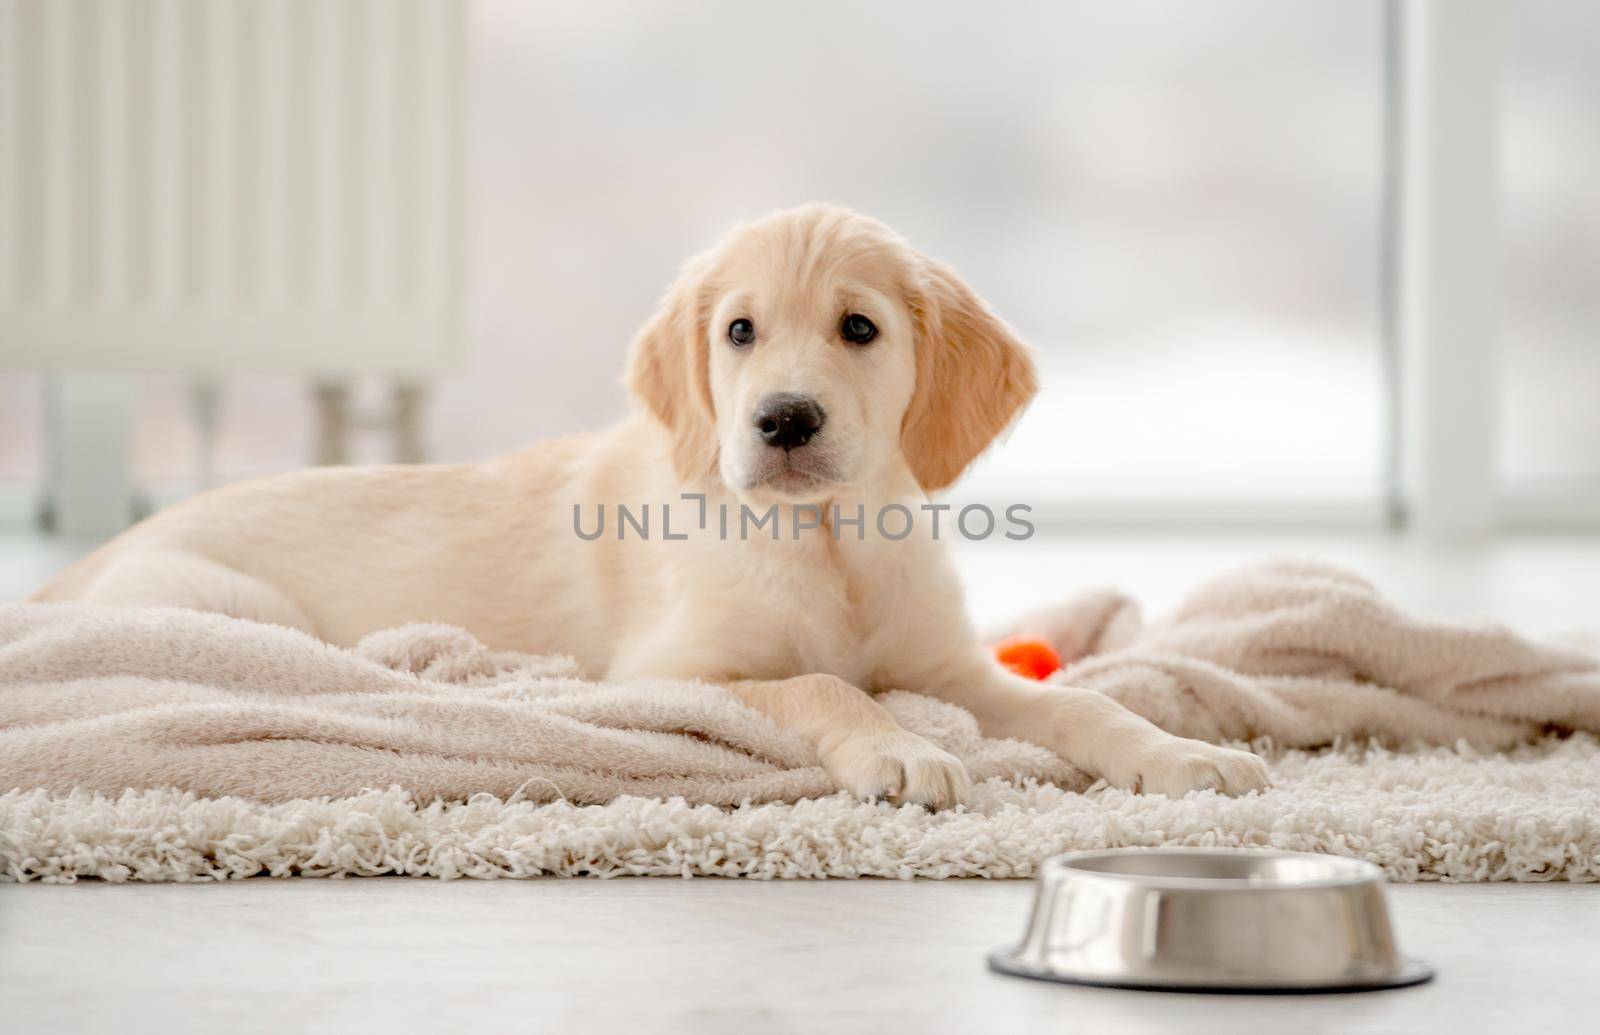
<point x="804" y="630"/>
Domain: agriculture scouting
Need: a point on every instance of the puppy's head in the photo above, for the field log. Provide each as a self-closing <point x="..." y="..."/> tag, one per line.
<point x="814" y="349"/>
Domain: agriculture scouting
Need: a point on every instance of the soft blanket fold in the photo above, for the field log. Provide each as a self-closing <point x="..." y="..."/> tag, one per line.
<point x="1306" y="654"/>
<point x="106" y="699"/>
<point x="280" y="727"/>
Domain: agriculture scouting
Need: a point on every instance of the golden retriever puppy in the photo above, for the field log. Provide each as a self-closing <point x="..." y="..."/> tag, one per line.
<point x="805" y="385"/>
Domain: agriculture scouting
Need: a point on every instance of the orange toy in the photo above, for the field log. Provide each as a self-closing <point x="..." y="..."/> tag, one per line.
<point x="1027" y="656"/>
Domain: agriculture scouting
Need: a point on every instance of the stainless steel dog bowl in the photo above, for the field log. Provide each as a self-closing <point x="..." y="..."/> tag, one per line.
<point x="1211" y="920"/>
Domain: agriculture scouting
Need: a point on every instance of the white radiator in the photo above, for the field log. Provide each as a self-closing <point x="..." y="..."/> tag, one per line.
<point x="232" y="185"/>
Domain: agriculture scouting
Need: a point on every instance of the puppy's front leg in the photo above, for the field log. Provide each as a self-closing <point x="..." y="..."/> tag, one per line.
<point x="1098" y="735"/>
<point x="861" y="746"/>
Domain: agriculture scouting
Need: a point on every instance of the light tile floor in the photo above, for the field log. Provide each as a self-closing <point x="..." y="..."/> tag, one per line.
<point x="713" y="956"/>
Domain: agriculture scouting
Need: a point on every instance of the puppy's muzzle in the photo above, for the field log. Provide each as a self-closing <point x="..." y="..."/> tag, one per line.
<point x="788" y="421"/>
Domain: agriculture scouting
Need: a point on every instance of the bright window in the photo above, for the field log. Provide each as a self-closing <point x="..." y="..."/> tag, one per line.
<point x="1550" y="162"/>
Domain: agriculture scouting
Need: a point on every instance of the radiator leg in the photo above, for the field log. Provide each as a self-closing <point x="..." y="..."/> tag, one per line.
<point x="205" y="408"/>
<point x="333" y="423"/>
<point x="89" y="424"/>
<point x="410" y="399"/>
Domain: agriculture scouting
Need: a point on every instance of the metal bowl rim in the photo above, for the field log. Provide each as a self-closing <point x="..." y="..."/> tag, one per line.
<point x="1410" y="971"/>
<point x="1357" y="872"/>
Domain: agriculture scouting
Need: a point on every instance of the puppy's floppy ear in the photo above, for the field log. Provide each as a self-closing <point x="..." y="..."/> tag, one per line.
<point x="974" y="375"/>
<point x="669" y="374"/>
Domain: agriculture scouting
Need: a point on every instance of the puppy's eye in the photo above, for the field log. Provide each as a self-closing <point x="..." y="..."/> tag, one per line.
<point x="857" y="329"/>
<point x="741" y="332"/>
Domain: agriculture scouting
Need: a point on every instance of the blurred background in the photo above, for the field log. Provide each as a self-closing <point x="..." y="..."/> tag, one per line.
<point x="243" y="236"/>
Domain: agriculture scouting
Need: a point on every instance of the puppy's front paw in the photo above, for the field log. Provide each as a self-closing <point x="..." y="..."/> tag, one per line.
<point x="899" y="766"/>
<point x="1174" y="766"/>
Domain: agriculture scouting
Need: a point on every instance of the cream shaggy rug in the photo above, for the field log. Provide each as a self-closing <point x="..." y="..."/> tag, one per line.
<point x="155" y="744"/>
<point x="1450" y="814"/>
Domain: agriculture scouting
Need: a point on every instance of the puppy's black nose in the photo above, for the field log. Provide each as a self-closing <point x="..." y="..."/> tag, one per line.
<point x="787" y="421"/>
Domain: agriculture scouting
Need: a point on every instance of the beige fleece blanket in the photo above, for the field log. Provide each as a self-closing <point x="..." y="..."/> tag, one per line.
<point x="1300" y="655"/>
